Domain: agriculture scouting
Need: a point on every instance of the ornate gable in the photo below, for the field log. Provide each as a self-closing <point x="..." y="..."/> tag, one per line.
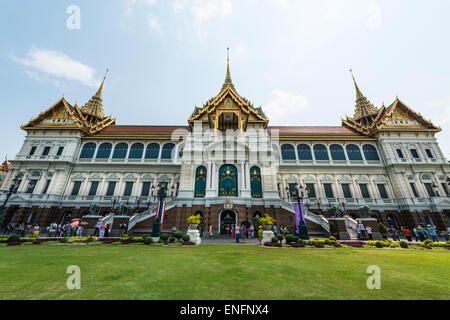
<point x="228" y="110"/>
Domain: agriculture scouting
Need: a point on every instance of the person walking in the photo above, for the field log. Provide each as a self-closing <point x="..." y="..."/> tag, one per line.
<point x="415" y="234"/>
<point x="97" y="227"/>
<point x="358" y="233"/>
<point x="210" y="231"/>
<point x="252" y="231"/>
<point x="260" y="234"/>
<point x="362" y="230"/>
<point x="421" y="234"/>
<point x="237" y="233"/>
<point x="36" y="230"/>
<point x="21" y="229"/>
<point x="275" y="231"/>
<point x="433" y="234"/>
<point x="79" y="232"/>
<point x="102" y="230"/>
<point x="52" y="230"/>
<point x="407" y="233"/>
<point x="369" y="232"/>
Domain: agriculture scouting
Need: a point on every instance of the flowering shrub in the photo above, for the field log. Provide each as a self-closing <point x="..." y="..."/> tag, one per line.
<point x="297" y="245"/>
<point x="335" y="244"/>
<point x="267" y="220"/>
<point x="355" y="244"/>
<point x="193" y="220"/>
<point x="14" y="243"/>
<point x="319" y="245"/>
<point x="188" y="243"/>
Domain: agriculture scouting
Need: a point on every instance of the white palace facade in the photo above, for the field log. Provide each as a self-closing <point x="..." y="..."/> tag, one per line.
<point x="228" y="165"/>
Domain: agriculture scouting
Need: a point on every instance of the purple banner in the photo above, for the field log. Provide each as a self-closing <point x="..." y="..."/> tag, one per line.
<point x="297" y="216"/>
<point x="303" y="212"/>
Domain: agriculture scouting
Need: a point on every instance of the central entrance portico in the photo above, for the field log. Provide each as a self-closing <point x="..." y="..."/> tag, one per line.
<point x="227" y="220"/>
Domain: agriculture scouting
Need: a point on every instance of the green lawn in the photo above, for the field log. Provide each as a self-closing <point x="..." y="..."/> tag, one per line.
<point x="220" y="272"/>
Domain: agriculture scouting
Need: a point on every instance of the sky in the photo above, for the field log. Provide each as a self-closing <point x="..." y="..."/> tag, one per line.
<point x="292" y="57"/>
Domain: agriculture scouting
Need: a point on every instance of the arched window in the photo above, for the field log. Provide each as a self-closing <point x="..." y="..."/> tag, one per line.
<point x="370" y="153"/>
<point x="152" y="151"/>
<point x="304" y="152"/>
<point x="167" y="151"/>
<point x="228" y="181"/>
<point x="287" y="152"/>
<point x="88" y="151"/>
<point x="120" y="151"/>
<point x="200" y="182"/>
<point x="255" y="182"/>
<point x="320" y="152"/>
<point x="337" y="152"/>
<point x="136" y="151"/>
<point x="353" y="152"/>
<point x="104" y="151"/>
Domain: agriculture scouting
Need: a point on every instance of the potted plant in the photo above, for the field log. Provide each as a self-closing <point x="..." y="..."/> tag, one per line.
<point x="267" y="222"/>
<point x="194" y="221"/>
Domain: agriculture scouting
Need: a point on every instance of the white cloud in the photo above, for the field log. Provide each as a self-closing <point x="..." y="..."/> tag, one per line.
<point x="285" y="108"/>
<point x="204" y="11"/>
<point x="374" y="19"/>
<point x="130" y="5"/>
<point x="153" y="22"/>
<point x="440" y="109"/>
<point x="56" y="64"/>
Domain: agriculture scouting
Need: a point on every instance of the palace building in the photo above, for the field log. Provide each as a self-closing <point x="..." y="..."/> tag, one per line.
<point x="229" y="166"/>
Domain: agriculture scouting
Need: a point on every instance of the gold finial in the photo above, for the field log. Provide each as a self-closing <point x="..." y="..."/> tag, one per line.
<point x="358" y="92"/>
<point x="228" y="77"/>
<point x="100" y="90"/>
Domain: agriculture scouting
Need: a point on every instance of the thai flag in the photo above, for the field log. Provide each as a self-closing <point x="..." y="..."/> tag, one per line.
<point x="160" y="212"/>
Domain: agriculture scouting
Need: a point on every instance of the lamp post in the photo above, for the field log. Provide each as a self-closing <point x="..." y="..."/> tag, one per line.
<point x="297" y="193"/>
<point x="344" y="202"/>
<point x="161" y="194"/>
<point x="12" y="190"/>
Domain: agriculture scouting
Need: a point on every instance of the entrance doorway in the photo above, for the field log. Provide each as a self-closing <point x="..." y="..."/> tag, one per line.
<point x="227" y="220"/>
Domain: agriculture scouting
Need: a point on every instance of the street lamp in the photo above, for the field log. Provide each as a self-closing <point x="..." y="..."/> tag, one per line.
<point x="161" y="194"/>
<point x="344" y="202"/>
<point x="12" y="190"/>
<point x="297" y="193"/>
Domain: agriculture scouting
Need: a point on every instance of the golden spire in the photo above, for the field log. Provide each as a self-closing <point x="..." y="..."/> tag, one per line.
<point x="228" y="81"/>
<point x="94" y="107"/>
<point x="364" y="108"/>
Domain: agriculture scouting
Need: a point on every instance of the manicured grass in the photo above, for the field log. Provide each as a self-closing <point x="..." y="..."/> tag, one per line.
<point x="220" y="272"/>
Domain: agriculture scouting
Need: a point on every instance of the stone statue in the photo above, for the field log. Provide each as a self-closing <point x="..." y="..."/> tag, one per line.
<point x="94" y="209"/>
<point x="123" y="210"/>
<point x="335" y="212"/>
<point x="365" y="212"/>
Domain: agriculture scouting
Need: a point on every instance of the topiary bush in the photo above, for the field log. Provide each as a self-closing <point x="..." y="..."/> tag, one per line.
<point x="404" y="244"/>
<point x="172" y="239"/>
<point x="178" y="235"/>
<point x="427" y="242"/>
<point x="301" y="241"/>
<point x="382" y="228"/>
<point x="186" y="237"/>
<point x="148" y="240"/>
<point x="164" y="237"/>
<point x="290" y="238"/>
<point x="332" y="239"/>
<point x="13" y="238"/>
<point x="280" y="237"/>
<point x="90" y="239"/>
<point x="378" y="244"/>
<point x="64" y="240"/>
<point x="275" y="239"/>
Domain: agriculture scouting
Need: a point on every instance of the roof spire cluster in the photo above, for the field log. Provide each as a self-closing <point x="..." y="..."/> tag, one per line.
<point x="364" y="108"/>
<point x="94" y="107"/>
<point x="228" y="81"/>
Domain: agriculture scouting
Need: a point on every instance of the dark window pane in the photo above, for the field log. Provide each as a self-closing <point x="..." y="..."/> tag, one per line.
<point x="136" y="151"/>
<point x="76" y="188"/>
<point x="31" y="186"/>
<point x="311" y="190"/>
<point x="128" y="189"/>
<point x="152" y="151"/>
<point x="364" y="191"/>
<point x="304" y="152"/>
<point x="354" y="153"/>
<point x="145" y="189"/>
<point x="94" y="187"/>
<point x="104" y="151"/>
<point x="346" y="190"/>
<point x="320" y="152"/>
<point x="414" y="153"/>
<point x="255" y="182"/>
<point x="429" y="154"/>
<point x="47" y="184"/>
<point x="328" y="190"/>
<point x="32" y="151"/>
<point x="370" y="152"/>
<point x="167" y="151"/>
<point x="120" y="151"/>
<point x="400" y="154"/>
<point x="413" y="188"/>
<point x="337" y="152"/>
<point x="60" y="151"/>
<point x="382" y="190"/>
<point x="287" y="152"/>
<point x="111" y="189"/>
<point x="46" y="151"/>
<point x="430" y="190"/>
<point x="88" y="151"/>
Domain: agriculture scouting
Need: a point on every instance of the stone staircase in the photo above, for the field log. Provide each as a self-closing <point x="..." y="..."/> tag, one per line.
<point x="352" y="227"/>
<point x="142" y="216"/>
